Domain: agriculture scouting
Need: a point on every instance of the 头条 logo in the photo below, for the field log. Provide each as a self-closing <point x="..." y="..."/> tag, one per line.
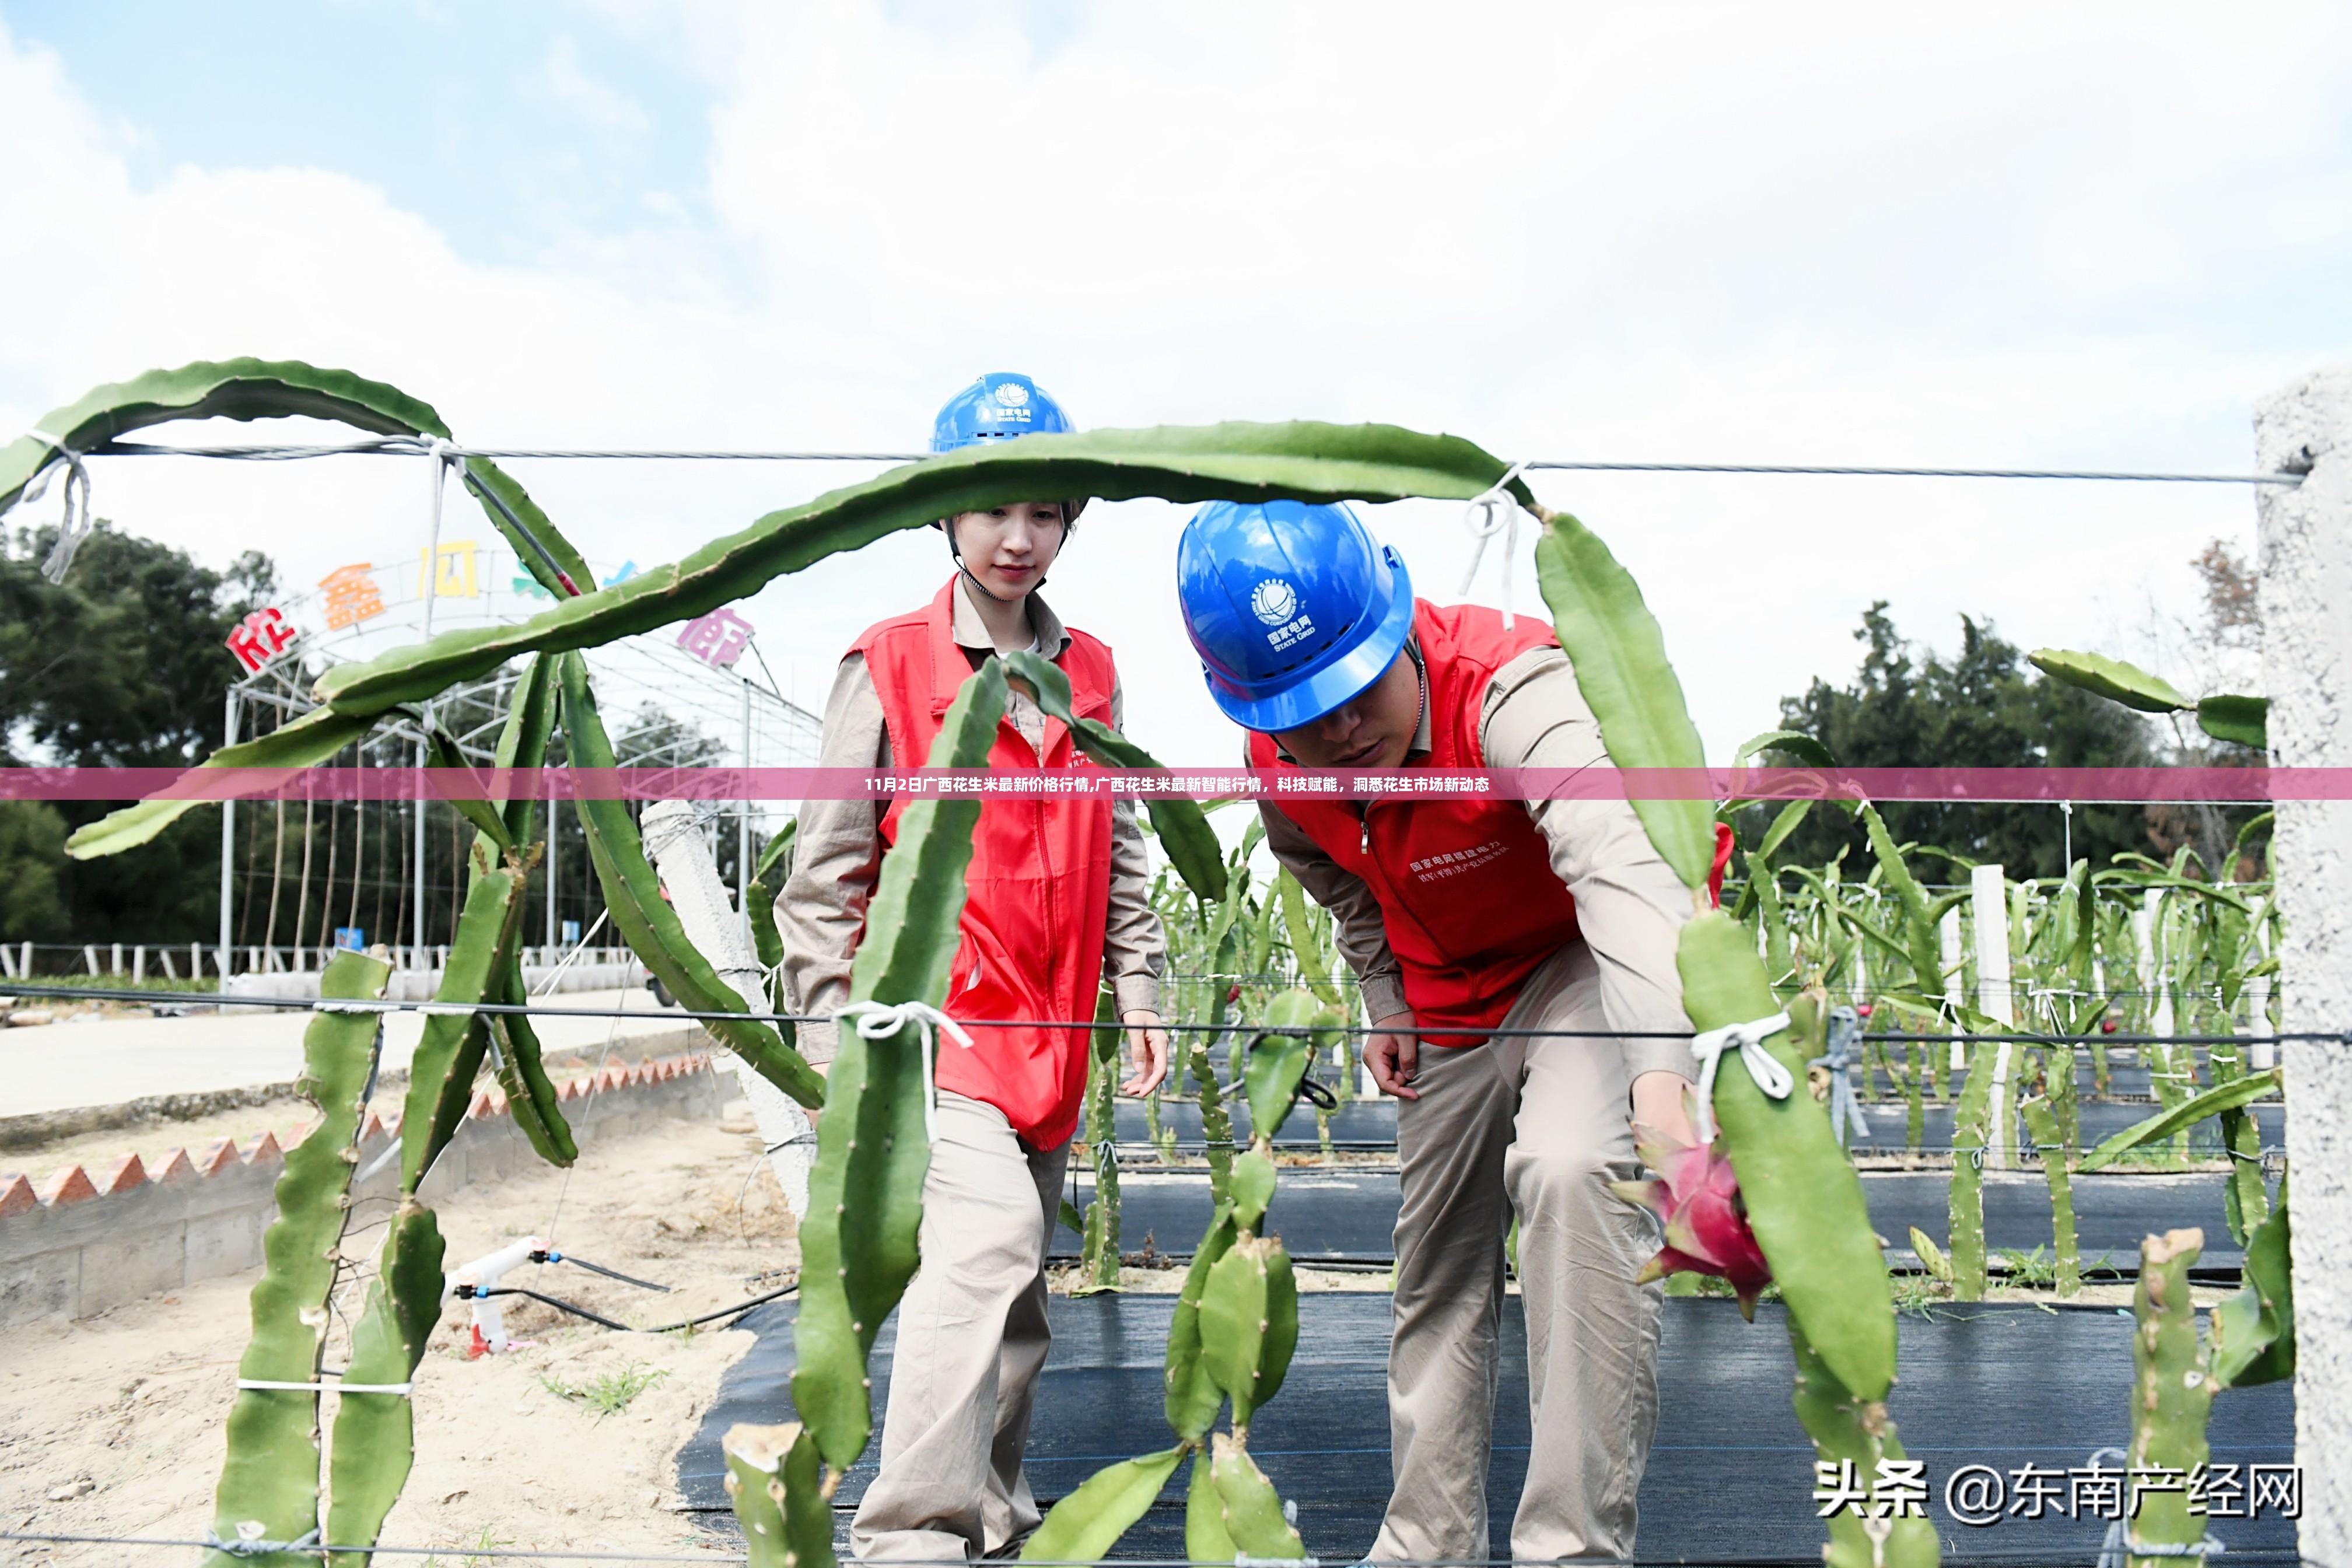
<point x="1274" y="601"/>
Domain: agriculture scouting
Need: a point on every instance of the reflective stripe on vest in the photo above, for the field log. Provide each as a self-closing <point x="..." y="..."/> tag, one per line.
<point x="1038" y="889"/>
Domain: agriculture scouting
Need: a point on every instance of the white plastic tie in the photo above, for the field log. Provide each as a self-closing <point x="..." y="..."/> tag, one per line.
<point x="1492" y="511"/>
<point x="1748" y="1039"/>
<point x="400" y="1388"/>
<point x="880" y="1020"/>
<point x="251" y="1541"/>
<point x="74" y="526"/>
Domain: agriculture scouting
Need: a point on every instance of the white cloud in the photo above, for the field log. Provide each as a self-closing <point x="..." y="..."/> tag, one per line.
<point x="2092" y="234"/>
<point x="564" y="80"/>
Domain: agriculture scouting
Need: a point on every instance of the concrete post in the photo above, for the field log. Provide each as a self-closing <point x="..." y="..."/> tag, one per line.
<point x="1988" y="909"/>
<point x="689" y="874"/>
<point x="2306" y="609"/>
<point x="1948" y="932"/>
<point x="743" y="833"/>
<point x="228" y="840"/>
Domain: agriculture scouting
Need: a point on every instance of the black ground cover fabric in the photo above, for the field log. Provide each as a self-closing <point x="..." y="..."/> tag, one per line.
<point x="1338" y="1215"/>
<point x="1730" y="1475"/>
<point x="1365" y="1124"/>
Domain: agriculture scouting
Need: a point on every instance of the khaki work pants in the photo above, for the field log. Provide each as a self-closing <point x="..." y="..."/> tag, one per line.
<point x="1537" y="1127"/>
<point x="972" y="1341"/>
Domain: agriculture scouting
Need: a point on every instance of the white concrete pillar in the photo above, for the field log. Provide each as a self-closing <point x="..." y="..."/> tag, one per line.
<point x="1988" y="909"/>
<point x="1954" y="956"/>
<point x="690" y="873"/>
<point x="2306" y="609"/>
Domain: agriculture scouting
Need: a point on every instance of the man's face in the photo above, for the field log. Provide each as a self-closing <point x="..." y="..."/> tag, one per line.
<point x="1009" y="548"/>
<point x="1374" y="730"/>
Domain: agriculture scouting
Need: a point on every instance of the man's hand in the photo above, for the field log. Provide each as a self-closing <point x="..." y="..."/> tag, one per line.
<point x="1147" y="1049"/>
<point x="1392" y="1055"/>
<point x="1658" y="1105"/>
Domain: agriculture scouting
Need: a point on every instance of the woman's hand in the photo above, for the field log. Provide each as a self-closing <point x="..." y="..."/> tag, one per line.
<point x="1147" y="1049"/>
<point x="1658" y="1105"/>
<point x="1393" y="1053"/>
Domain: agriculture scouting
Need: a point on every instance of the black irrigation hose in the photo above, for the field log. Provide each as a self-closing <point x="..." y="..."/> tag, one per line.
<point x="471" y="1292"/>
<point x="553" y="1256"/>
<point x="305" y="1004"/>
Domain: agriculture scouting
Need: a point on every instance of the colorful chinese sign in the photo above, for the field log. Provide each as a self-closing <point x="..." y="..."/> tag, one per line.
<point x="348" y="594"/>
<point x="260" y="637"/>
<point x="718" y="638"/>
<point x="449" y="573"/>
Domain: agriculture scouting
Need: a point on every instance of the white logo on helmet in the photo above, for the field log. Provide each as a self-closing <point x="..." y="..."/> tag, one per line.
<point x="1274" y="601"/>
<point x="1011" y="394"/>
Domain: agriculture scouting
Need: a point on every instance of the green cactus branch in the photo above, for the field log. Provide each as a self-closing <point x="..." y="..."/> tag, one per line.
<point x="632" y="892"/>
<point x="1620" y="658"/>
<point x="2224" y="716"/>
<point x="305" y="742"/>
<point x="269" y="1486"/>
<point x="857" y="1242"/>
<point x="1304" y="460"/>
<point x="2232" y="1095"/>
<point x="271" y="389"/>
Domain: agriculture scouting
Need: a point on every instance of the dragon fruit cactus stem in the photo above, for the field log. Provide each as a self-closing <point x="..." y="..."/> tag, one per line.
<point x="2172" y="1393"/>
<point x="2042" y="1122"/>
<point x="774" y="1480"/>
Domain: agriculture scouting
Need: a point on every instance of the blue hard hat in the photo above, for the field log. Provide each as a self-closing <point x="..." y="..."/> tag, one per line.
<point x="1295" y="609"/>
<point x="997" y="407"/>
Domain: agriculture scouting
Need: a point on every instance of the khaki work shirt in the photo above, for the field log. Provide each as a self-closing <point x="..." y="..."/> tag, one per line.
<point x="1630" y="905"/>
<point x="821" y="913"/>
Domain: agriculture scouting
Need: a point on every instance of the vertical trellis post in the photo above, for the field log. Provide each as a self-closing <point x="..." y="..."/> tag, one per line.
<point x="2306" y="612"/>
<point x="1988" y="909"/>
<point x="228" y="842"/>
<point x="1954" y="956"/>
<point x="743" y="830"/>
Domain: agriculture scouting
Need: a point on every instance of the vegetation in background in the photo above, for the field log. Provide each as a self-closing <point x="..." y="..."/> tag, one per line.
<point x="1910" y="706"/>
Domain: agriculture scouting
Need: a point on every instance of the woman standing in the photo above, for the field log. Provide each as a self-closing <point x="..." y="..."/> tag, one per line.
<point x="1057" y="905"/>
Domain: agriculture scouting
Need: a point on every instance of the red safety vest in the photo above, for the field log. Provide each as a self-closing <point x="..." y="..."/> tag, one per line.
<point x="1465" y="886"/>
<point x="1038" y="889"/>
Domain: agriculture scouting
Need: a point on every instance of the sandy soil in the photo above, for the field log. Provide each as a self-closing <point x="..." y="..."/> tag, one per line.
<point x="113" y="1425"/>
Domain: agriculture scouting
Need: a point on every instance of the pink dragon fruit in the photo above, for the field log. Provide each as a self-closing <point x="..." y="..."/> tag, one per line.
<point x="1707" y="1225"/>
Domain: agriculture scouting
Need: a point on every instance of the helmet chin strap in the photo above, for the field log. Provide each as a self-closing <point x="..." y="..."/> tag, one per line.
<point x="955" y="553"/>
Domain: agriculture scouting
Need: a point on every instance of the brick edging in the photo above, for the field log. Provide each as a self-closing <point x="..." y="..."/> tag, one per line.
<point x="81" y="1240"/>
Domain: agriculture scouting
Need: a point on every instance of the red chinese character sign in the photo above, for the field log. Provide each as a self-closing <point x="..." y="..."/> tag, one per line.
<point x="718" y="638"/>
<point x="260" y="637"/>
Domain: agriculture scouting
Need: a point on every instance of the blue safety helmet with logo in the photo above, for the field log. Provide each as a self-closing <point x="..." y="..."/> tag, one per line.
<point x="1294" y="609"/>
<point x="998" y="406"/>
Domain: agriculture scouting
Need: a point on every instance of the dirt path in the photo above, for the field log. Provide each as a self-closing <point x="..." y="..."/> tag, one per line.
<point x="113" y="1425"/>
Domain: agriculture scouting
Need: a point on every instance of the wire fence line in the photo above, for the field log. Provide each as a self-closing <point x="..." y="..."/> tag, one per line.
<point x="398" y="446"/>
<point x="1229" y="1027"/>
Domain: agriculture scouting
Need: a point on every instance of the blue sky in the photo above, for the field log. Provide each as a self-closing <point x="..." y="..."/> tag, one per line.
<point x="509" y="126"/>
<point x="2091" y="235"/>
